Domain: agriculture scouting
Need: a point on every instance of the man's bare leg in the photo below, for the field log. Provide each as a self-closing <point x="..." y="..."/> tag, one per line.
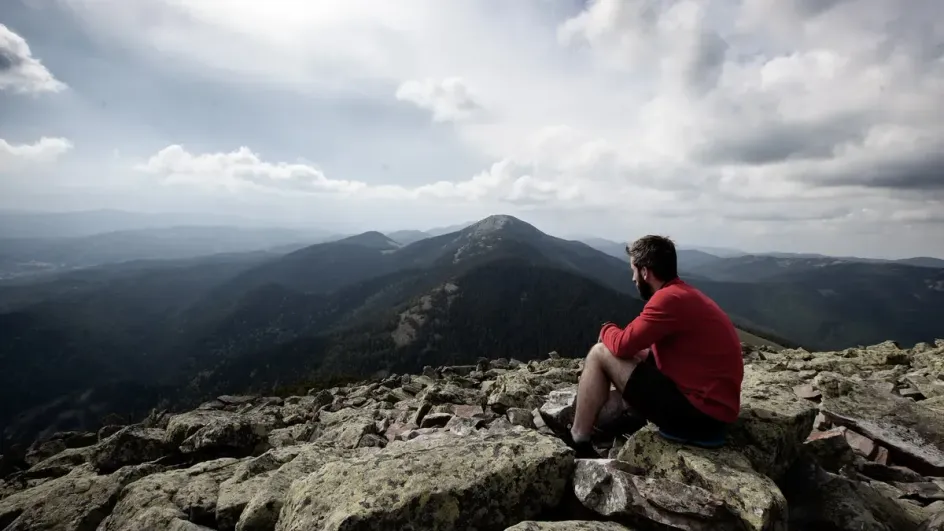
<point x="601" y="368"/>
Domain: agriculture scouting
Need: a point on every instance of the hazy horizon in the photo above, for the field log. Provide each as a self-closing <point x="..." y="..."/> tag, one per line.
<point x="190" y="219"/>
<point x="761" y="125"/>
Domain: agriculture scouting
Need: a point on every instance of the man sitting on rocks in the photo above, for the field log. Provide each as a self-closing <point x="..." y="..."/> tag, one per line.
<point x="677" y="365"/>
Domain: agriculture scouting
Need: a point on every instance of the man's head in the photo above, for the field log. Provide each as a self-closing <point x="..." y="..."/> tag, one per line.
<point x="654" y="263"/>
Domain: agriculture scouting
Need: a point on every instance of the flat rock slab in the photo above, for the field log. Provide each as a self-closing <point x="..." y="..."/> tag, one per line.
<point x="435" y="483"/>
<point x="913" y="434"/>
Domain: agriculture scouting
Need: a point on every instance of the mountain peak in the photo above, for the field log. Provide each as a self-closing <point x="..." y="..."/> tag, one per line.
<point x="502" y="224"/>
<point x="372" y="239"/>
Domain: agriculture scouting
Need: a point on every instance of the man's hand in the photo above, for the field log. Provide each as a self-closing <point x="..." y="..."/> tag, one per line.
<point x="602" y="328"/>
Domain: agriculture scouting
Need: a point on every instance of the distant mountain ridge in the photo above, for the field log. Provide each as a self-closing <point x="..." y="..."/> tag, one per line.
<point x="26" y="256"/>
<point x="703" y="254"/>
<point x="365" y="304"/>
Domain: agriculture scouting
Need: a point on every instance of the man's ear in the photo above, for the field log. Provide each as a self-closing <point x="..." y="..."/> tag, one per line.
<point x="644" y="273"/>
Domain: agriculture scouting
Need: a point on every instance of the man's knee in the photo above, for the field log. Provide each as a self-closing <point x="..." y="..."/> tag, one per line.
<point x="599" y="352"/>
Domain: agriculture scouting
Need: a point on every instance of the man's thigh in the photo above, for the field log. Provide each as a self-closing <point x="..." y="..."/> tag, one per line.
<point x="618" y="370"/>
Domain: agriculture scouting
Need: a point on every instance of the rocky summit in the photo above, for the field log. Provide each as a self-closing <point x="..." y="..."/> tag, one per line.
<point x="852" y="439"/>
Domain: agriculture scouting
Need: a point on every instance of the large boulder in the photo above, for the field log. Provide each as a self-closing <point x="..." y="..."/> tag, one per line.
<point x="60" y="464"/>
<point x="128" y="446"/>
<point x="345" y="428"/>
<point x="236" y="436"/>
<point x="913" y="434"/>
<point x="77" y="501"/>
<point x="251" y="499"/>
<point x="611" y="489"/>
<point x="261" y="419"/>
<point x="773" y="422"/>
<point x="822" y="500"/>
<point x="434" y="482"/>
<point x="726" y="473"/>
<point x="178" y="498"/>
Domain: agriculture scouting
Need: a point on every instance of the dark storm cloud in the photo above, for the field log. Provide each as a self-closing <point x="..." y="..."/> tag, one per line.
<point x="922" y="173"/>
<point x="777" y="142"/>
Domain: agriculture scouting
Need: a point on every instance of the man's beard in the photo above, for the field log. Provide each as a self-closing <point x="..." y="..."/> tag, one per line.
<point x="645" y="290"/>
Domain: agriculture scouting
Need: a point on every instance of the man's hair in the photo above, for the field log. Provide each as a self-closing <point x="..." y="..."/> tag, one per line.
<point x="657" y="253"/>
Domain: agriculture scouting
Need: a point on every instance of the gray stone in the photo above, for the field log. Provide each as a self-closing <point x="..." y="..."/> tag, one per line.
<point x="77" y="501"/>
<point x="484" y="482"/>
<point x="913" y="434"/>
<point x="175" y="497"/>
<point x="611" y="489"/>
<point x="130" y="445"/>
<point x="725" y="473"/>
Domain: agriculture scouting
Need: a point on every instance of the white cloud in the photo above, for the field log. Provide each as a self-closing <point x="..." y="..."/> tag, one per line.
<point x="241" y="169"/>
<point x="20" y="156"/>
<point x="448" y="99"/>
<point x="20" y="72"/>
<point x="727" y="114"/>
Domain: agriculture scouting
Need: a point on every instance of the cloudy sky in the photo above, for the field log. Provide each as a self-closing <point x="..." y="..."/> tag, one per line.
<point x="796" y="125"/>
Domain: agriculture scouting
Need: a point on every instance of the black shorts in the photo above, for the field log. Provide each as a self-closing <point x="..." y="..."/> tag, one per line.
<point x="654" y="396"/>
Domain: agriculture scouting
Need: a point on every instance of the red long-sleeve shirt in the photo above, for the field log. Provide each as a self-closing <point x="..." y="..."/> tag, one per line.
<point x="694" y="343"/>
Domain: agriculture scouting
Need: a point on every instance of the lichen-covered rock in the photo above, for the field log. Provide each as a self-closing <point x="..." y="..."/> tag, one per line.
<point x="913" y="433"/>
<point x="128" y="446"/>
<point x="77" y="501"/>
<point x="568" y="525"/>
<point x="247" y="478"/>
<point x="822" y="500"/>
<point x="346" y="427"/>
<point x="252" y="497"/>
<point x="60" y="464"/>
<point x="235" y="436"/>
<point x="42" y="450"/>
<point x="296" y="434"/>
<point x="934" y="522"/>
<point x="520" y="417"/>
<point x="610" y="488"/>
<point x="174" y="497"/>
<point x="220" y="424"/>
<point x="771" y="427"/>
<point x="484" y="482"/>
<point x="557" y="411"/>
<point x="518" y="389"/>
<point x="725" y="473"/>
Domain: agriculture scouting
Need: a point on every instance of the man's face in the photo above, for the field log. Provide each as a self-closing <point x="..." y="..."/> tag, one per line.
<point x="645" y="290"/>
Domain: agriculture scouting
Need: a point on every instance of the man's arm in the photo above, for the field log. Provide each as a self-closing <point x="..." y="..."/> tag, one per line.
<point x="654" y="323"/>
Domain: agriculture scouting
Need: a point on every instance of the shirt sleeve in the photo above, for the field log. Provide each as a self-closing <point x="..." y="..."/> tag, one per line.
<point x="654" y="323"/>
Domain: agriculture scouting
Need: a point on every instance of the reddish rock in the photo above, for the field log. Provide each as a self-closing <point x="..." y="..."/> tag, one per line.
<point x="860" y="443"/>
